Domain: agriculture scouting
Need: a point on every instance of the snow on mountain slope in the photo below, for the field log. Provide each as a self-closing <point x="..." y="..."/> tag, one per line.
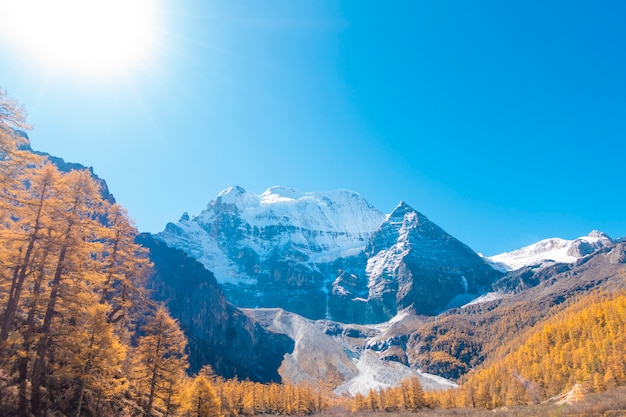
<point x="329" y="224"/>
<point x="386" y="261"/>
<point x="554" y="249"/>
<point x="420" y="265"/>
<point x="319" y="227"/>
<point x="327" y="255"/>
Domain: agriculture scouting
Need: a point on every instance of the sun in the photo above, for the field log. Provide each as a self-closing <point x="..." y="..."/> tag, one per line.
<point x="84" y="37"/>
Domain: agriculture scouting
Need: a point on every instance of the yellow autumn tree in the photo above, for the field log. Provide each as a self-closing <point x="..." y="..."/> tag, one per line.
<point x="159" y="359"/>
<point x="200" y="399"/>
<point x="74" y="236"/>
<point x="92" y="355"/>
<point x="582" y="344"/>
<point x="13" y="158"/>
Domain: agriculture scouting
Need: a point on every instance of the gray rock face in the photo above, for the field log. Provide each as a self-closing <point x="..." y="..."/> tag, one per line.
<point x="328" y="255"/>
<point x="412" y="262"/>
<point x="582" y="247"/>
<point x="618" y="254"/>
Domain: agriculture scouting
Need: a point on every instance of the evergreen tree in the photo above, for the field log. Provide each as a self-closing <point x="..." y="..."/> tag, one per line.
<point x="74" y="270"/>
<point x="201" y="399"/>
<point x="160" y="358"/>
<point x="13" y="158"/>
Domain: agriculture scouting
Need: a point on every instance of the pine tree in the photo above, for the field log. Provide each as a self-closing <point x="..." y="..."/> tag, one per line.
<point x="92" y="355"/>
<point x="75" y="244"/>
<point x="125" y="263"/>
<point x="31" y="211"/>
<point x="13" y="124"/>
<point x="201" y="400"/>
<point x="160" y="357"/>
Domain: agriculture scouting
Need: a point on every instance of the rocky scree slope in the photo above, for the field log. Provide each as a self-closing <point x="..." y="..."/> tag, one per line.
<point x="345" y="358"/>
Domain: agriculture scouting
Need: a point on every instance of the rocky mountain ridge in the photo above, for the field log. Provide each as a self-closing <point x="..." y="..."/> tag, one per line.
<point x="328" y="255"/>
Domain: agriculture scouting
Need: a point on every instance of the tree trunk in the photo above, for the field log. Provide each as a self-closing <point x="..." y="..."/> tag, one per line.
<point x="42" y="346"/>
<point x="16" y="288"/>
<point x="86" y="369"/>
<point x="7" y="317"/>
<point x="27" y="343"/>
<point x="155" y="373"/>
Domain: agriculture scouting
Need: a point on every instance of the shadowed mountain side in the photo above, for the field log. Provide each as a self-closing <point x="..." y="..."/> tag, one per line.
<point x="65" y="166"/>
<point x="218" y="333"/>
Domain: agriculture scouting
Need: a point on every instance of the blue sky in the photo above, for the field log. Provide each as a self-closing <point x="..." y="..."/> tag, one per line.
<point x="503" y="122"/>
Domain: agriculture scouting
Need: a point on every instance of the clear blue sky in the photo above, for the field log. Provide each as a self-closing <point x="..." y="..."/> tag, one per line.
<point x="502" y="121"/>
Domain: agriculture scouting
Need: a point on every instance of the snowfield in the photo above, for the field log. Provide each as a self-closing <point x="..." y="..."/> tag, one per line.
<point x="553" y="249"/>
<point x="325" y="226"/>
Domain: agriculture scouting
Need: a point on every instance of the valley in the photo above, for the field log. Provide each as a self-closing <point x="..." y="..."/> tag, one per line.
<point x="290" y="302"/>
<point x="434" y="310"/>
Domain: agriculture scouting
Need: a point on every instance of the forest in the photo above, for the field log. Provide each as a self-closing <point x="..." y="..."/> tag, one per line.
<point x="80" y="335"/>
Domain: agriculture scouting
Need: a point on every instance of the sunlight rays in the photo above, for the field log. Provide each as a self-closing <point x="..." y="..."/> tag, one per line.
<point x="85" y="38"/>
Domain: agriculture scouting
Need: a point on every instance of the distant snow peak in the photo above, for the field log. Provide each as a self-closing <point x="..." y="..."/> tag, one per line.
<point x="552" y="249"/>
<point x="231" y="191"/>
<point x="236" y="195"/>
<point x="596" y="234"/>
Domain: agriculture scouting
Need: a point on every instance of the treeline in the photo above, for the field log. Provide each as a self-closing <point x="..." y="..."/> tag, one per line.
<point x="208" y="395"/>
<point x="409" y="396"/>
<point x="246" y="398"/>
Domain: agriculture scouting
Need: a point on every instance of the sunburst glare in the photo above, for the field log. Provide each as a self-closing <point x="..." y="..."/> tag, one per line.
<point x="86" y="38"/>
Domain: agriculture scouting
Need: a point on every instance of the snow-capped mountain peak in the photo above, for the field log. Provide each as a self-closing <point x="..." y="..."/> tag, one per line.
<point x="327" y="254"/>
<point x="552" y="249"/>
<point x="316" y="225"/>
<point x="340" y="211"/>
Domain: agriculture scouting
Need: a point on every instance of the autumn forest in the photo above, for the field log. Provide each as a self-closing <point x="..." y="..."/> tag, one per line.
<point x="81" y="336"/>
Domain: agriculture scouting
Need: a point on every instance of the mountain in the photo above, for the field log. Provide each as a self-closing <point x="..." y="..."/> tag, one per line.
<point x="282" y="248"/>
<point x="328" y="255"/>
<point x="218" y="333"/>
<point x="550" y="251"/>
<point x="65" y="166"/>
<point x="463" y="338"/>
<point x="422" y="266"/>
